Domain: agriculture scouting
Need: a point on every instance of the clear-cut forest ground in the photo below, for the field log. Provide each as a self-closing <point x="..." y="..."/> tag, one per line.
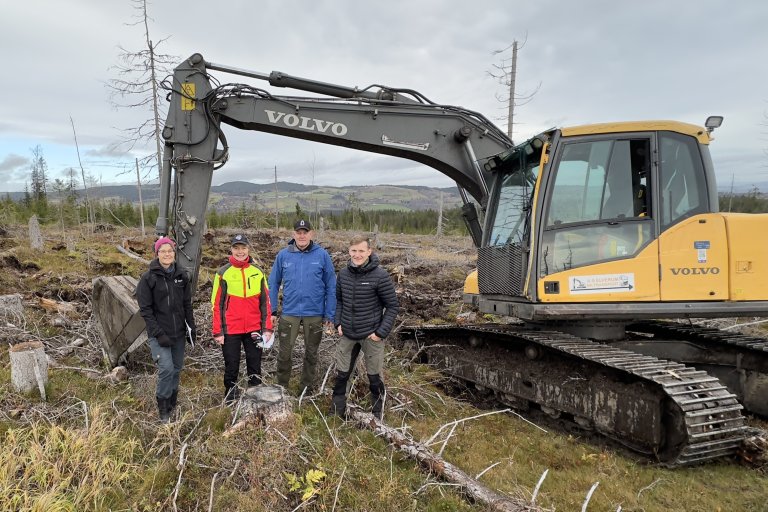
<point x="95" y="443"/>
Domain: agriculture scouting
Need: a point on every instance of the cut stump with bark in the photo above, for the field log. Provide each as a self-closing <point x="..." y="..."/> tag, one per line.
<point x="29" y="367"/>
<point x="264" y="404"/>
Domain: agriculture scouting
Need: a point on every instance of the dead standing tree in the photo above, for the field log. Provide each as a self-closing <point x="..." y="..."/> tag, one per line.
<point x="137" y="87"/>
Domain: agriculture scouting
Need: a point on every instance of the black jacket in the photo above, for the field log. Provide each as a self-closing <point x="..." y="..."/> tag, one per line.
<point x="165" y="301"/>
<point x="366" y="301"/>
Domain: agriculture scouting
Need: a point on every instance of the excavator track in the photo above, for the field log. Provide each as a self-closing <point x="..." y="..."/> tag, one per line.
<point x="738" y="360"/>
<point x="676" y="413"/>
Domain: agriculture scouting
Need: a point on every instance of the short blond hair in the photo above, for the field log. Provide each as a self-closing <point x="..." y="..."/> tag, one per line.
<point x="358" y="239"/>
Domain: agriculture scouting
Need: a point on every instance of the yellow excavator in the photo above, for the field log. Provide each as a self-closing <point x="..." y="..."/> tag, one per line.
<point x="593" y="242"/>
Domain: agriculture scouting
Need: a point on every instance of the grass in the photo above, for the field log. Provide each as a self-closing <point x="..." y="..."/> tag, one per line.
<point x="120" y="459"/>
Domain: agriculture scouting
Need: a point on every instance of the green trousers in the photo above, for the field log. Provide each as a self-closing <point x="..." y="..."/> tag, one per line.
<point x="287" y="332"/>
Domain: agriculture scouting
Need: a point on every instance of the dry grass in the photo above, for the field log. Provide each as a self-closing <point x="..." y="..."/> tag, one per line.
<point x="121" y="459"/>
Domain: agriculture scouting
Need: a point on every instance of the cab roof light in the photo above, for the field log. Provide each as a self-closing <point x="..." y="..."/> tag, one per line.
<point x="713" y="122"/>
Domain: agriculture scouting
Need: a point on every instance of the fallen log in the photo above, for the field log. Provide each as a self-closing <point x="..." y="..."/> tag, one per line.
<point x="132" y="254"/>
<point x="439" y="466"/>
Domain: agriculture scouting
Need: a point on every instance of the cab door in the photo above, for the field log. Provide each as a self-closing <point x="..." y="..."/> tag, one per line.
<point x="693" y="245"/>
<point x="598" y="228"/>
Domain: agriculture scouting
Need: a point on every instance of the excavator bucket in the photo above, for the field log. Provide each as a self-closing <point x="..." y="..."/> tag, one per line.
<point x="117" y="318"/>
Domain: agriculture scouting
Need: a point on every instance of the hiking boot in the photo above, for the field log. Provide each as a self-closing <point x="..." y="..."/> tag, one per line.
<point x="232" y="395"/>
<point x="338" y="406"/>
<point x="163" y="410"/>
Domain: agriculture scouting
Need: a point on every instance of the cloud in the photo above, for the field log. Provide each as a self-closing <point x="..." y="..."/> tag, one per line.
<point x="12" y="162"/>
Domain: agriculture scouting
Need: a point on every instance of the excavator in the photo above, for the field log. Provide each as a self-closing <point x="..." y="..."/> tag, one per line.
<point x="596" y="246"/>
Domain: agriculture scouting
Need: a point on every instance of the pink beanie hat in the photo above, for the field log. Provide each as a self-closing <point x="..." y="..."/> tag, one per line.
<point x="162" y="241"/>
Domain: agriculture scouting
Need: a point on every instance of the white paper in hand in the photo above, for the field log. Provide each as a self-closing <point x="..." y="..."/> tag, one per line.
<point x="267" y="340"/>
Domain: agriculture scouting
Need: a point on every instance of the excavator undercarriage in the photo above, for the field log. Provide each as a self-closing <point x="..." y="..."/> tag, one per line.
<point x="678" y="414"/>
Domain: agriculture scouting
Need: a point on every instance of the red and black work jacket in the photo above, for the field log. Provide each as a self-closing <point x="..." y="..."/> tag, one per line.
<point x="240" y="299"/>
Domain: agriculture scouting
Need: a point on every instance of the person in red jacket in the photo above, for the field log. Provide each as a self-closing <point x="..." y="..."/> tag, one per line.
<point x="241" y="316"/>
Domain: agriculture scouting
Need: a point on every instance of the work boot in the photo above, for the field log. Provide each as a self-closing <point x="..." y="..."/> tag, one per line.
<point x="378" y="394"/>
<point x="232" y="395"/>
<point x="163" y="410"/>
<point x="172" y="400"/>
<point x="338" y="406"/>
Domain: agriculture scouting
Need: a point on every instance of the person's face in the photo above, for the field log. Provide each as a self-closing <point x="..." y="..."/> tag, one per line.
<point x="240" y="252"/>
<point x="166" y="255"/>
<point x="302" y="237"/>
<point x="359" y="252"/>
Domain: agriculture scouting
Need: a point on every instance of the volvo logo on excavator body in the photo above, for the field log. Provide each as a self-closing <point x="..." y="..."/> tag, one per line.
<point x="694" y="271"/>
<point x="306" y="123"/>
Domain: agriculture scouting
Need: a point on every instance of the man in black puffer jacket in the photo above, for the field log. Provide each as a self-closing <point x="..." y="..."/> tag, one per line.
<point x="164" y="295"/>
<point x="366" y="307"/>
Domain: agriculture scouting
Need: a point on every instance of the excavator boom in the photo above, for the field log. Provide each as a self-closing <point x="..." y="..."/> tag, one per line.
<point x="396" y="122"/>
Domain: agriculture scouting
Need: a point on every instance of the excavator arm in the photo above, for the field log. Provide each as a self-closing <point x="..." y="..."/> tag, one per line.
<point x="396" y="122"/>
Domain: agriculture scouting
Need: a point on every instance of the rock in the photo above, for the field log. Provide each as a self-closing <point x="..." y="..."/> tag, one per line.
<point x="11" y="306"/>
<point x="118" y="374"/>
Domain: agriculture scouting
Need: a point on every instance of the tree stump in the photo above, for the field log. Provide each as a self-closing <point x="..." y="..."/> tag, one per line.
<point x="264" y="404"/>
<point x="11" y="307"/>
<point x="29" y="367"/>
<point x="35" y="237"/>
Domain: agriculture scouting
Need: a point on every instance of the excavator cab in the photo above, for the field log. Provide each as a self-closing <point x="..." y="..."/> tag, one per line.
<point x="611" y="223"/>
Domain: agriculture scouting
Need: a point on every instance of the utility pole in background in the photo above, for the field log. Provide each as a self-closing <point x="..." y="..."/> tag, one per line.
<point x="277" y="210"/>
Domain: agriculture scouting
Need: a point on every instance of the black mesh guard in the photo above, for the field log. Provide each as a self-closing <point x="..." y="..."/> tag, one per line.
<point x="500" y="270"/>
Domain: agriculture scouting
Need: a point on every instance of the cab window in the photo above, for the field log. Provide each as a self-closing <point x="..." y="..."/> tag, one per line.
<point x="683" y="186"/>
<point x="598" y="207"/>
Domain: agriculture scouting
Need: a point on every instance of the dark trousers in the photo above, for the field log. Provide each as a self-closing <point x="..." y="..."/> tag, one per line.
<point x="170" y="361"/>
<point x="231" y="351"/>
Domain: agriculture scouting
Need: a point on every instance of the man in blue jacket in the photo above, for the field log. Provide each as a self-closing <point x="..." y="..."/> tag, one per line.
<point x="305" y="272"/>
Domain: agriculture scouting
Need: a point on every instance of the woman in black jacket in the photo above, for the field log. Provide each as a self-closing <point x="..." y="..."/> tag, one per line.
<point x="366" y="307"/>
<point x="164" y="295"/>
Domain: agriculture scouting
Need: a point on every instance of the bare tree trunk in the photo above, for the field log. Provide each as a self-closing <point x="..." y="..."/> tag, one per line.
<point x="88" y="209"/>
<point x="439" y="466"/>
<point x="277" y="209"/>
<point x="512" y="76"/>
<point x="440" y="217"/>
<point x="141" y="203"/>
<point x="155" y="107"/>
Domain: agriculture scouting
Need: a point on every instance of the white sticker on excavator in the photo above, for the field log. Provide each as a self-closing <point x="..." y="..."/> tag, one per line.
<point x="602" y="283"/>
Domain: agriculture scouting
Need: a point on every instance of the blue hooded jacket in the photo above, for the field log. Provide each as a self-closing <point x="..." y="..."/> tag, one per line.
<point x="308" y="280"/>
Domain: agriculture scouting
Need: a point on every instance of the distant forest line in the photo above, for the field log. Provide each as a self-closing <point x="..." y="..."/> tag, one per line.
<point x="70" y="210"/>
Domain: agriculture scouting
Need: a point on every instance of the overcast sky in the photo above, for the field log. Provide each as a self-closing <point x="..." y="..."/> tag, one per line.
<point x="587" y="61"/>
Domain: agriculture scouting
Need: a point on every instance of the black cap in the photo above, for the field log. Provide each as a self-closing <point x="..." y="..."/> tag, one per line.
<point x="239" y="239"/>
<point x="302" y="224"/>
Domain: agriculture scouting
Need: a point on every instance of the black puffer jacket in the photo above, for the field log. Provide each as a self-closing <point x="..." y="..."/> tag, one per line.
<point x="165" y="301"/>
<point x="366" y="301"/>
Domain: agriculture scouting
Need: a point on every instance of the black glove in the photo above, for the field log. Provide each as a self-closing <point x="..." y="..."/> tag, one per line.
<point x="164" y="341"/>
